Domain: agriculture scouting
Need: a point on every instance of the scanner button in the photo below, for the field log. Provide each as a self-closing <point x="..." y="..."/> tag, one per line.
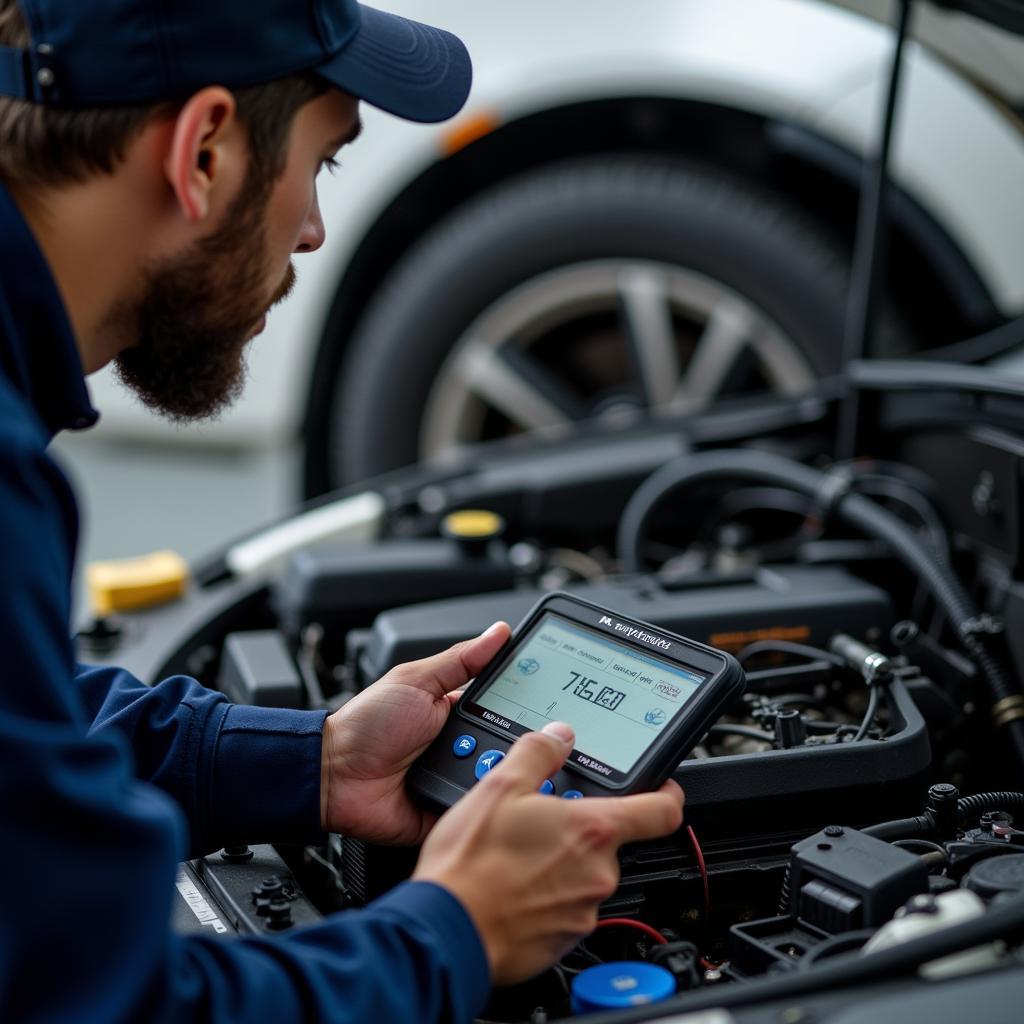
<point x="571" y="794"/>
<point x="486" y="761"/>
<point x="547" y="787"/>
<point x="464" y="746"/>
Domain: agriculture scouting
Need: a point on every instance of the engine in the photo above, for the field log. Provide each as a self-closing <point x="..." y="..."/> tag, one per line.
<point x="858" y="802"/>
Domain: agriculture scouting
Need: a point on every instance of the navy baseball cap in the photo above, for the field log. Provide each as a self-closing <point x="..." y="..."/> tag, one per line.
<point x="87" y="53"/>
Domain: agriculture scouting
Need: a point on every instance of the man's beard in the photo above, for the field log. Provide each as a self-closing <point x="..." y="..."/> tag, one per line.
<point x="196" y="313"/>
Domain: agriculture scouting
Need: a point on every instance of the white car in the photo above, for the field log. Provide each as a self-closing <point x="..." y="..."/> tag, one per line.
<point x="642" y="208"/>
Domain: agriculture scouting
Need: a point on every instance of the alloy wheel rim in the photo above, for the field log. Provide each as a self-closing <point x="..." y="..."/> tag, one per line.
<point x="682" y="336"/>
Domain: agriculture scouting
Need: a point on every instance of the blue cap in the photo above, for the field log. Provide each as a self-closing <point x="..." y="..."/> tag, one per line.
<point x="620" y="984"/>
<point x="101" y="52"/>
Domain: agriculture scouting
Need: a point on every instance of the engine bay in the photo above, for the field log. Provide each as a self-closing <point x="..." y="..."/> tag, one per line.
<point x="858" y="803"/>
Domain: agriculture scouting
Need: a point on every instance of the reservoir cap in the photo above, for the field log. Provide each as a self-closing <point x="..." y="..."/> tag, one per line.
<point x="619" y="985"/>
<point x="472" y="524"/>
<point x="996" y="875"/>
<point x="133" y="583"/>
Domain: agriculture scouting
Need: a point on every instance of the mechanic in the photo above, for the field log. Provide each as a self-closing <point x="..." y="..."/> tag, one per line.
<point x="157" y="171"/>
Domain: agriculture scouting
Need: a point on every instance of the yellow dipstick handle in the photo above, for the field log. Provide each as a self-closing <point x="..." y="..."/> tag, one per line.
<point x="125" y="584"/>
<point x="472" y="524"/>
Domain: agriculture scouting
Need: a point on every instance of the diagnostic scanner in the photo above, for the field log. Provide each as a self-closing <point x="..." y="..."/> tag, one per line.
<point x="639" y="698"/>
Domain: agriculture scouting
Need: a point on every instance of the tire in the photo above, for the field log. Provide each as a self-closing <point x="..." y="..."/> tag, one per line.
<point x="687" y="233"/>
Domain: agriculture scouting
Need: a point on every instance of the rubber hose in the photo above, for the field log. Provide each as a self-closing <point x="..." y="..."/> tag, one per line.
<point x="858" y="511"/>
<point x="902" y="828"/>
<point x="969" y="806"/>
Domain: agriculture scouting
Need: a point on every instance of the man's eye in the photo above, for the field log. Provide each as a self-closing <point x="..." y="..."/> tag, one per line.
<point x="330" y="164"/>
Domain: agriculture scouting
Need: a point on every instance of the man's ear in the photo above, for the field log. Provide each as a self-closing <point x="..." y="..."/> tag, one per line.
<point x="199" y="144"/>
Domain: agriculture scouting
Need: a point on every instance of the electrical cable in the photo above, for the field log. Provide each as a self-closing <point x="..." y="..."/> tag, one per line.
<point x="760" y="680"/>
<point x="788" y="647"/>
<point x="560" y="972"/>
<point x="856" y="510"/>
<point x="908" y="844"/>
<point x="580" y="949"/>
<point x="869" y="714"/>
<point x="934" y="856"/>
<point x="932" y="860"/>
<point x="627" y="922"/>
<point x="312" y="853"/>
<point x="699" y="854"/>
<point x="821" y="728"/>
<point x="748" y="731"/>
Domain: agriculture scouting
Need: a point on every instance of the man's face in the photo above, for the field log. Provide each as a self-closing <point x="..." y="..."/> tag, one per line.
<point x="198" y="310"/>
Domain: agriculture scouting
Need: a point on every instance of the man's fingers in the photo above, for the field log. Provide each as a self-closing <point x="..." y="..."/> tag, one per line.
<point x="535" y="756"/>
<point x="643" y="816"/>
<point x="455" y="667"/>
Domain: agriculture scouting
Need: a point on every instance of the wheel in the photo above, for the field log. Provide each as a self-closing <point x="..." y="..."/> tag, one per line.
<point x="608" y="288"/>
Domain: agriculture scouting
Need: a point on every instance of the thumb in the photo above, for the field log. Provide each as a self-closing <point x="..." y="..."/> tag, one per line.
<point x="455" y="667"/>
<point x="534" y="757"/>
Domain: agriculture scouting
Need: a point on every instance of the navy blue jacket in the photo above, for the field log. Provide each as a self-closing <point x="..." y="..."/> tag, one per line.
<point x="106" y="784"/>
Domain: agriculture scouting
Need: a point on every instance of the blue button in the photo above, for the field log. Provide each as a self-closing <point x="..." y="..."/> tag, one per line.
<point x="486" y="761"/>
<point x="547" y="787"/>
<point x="571" y="794"/>
<point x="464" y="746"/>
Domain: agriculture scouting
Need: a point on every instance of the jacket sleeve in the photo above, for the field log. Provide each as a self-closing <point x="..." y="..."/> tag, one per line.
<point x="91" y="849"/>
<point x="240" y="774"/>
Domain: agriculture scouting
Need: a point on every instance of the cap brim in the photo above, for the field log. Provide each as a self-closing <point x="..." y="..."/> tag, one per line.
<point x="414" y="71"/>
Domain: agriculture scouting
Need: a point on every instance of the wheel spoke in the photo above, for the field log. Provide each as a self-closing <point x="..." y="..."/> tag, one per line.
<point x="648" y="320"/>
<point x="722" y="342"/>
<point x="520" y="387"/>
<point x="786" y="370"/>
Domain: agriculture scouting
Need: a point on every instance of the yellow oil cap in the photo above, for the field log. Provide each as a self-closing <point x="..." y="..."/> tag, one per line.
<point x="472" y="524"/>
<point x="125" y="584"/>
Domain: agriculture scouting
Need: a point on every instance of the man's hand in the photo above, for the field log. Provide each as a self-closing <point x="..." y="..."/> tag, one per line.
<point x="370" y="742"/>
<point x="531" y="869"/>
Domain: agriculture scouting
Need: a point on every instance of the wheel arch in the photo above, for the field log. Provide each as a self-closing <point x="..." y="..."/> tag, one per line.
<point x="944" y="296"/>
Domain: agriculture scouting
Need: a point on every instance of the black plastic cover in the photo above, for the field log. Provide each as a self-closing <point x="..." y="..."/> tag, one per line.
<point x="808" y="604"/>
<point x="842" y="880"/>
<point x="330" y="587"/>
<point x="257" y="668"/>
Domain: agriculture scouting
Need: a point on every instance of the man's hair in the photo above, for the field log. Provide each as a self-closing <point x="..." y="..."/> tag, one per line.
<point x="50" y="146"/>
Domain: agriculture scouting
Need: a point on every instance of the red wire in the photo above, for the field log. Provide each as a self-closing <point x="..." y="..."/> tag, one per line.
<point x="628" y="922"/>
<point x="703" y="871"/>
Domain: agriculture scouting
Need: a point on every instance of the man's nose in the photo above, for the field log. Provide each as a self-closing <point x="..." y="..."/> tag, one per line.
<point x="313" y="232"/>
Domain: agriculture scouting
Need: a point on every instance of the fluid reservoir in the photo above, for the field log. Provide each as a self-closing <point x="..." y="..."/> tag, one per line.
<point x="997" y="876"/>
<point x="619" y="985"/>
